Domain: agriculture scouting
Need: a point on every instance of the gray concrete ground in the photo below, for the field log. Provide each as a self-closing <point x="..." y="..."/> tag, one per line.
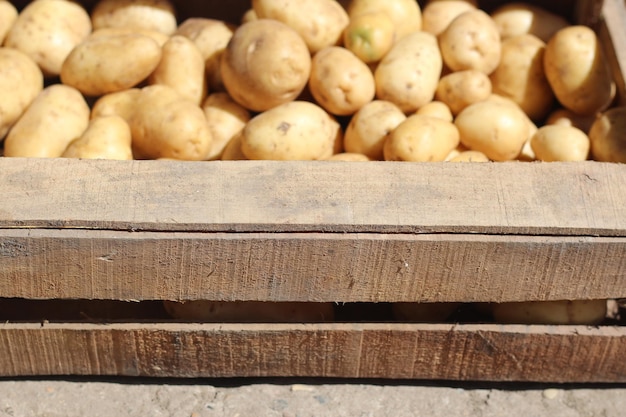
<point x="302" y="398"/>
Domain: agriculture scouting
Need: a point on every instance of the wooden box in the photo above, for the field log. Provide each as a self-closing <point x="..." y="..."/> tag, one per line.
<point x="363" y="233"/>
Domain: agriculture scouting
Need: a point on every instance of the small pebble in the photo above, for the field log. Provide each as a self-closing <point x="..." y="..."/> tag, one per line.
<point x="550" y="393"/>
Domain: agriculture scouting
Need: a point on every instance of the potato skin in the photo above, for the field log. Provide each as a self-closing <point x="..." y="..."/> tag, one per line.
<point x="421" y="139"/>
<point x="121" y="103"/>
<point x="437" y="15"/>
<point x="107" y="64"/>
<point x="319" y="22"/>
<point x="578" y="71"/>
<point x="436" y="109"/>
<point x="20" y="75"/>
<point x="340" y="82"/>
<point x="156" y="15"/>
<point x="58" y="115"/>
<point x="370" y="36"/>
<point x="225" y="119"/>
<point x="105" y="138"/>
<point x="462" y="88"/>
<point x="471" y="41"/>
<point x="608" y="136"/>
<point x="47" y="31"/>
<point x="265" y="64"/>
<point x="519" y="18"/>
<point x="297" y="130"/>
<point x="166" y="125"/>
<point x="406" y="15"/>
<point x="8" y="16"/>
<point x="408" y="75"/>
<point x="560" y="143"/>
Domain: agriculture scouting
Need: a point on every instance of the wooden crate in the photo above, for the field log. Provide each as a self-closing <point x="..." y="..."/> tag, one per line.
<point x="375" y="232"/>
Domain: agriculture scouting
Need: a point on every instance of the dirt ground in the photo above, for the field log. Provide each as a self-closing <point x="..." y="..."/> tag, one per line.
<point x="302" y="398"/>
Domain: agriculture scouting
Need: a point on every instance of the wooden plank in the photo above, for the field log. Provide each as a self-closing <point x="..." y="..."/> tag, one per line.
<point x="348" y="350"/>
<point x="92" y="264"/>
<point x="569" y="199"/>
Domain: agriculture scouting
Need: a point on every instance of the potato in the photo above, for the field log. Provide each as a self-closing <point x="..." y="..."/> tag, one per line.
<point x="578" y="71"/>
<point x="471" y="41"/>
<point x="608" y="136"/>
<point x="248" y="16"/>
<point x="166" y="125"/>
<point x="514" y="19"/>
<point x="319" y="22"/>
<point x="567" y="117"/>
<point x="348" y="157"/>
<point x="8" y="16"/>
<point x="423" y="312"/>
<point x="188" y="80"/>
<point x="225" y="119"/>
<point x="156" y="15"/>
<point x="520" y="76"/>
<point x="497" y="129"/>
<point x="121" y="103"/>
<point x="105" y="138"/>
<point x="408" y="75"/>
<point x="265" y="64"/>
<point x="58" y="115"/>
<point x="107" y="64"/>
<point x="340" y="82"/>
<point x="159" y="37"/>
<point x="437" y="15"/>
<point x="406" y="15"/>
<point x="232" y="150"/>
<point x="460" y="89"/>
<point x="297" y="130"/>
<point x="469" y="156"/>
<point x="211" y="37"/>
<point x="587" y="312"/>
<point x="436" y="109"/>
<point x="560" y="143"/>
<point x="370" y="36"/>
<point x="421" y="139"/>
<point x="250" y="311"/>
<point x="20" y="76"/>
<point x="369" y="127"/>
<point x="47" y="31"/>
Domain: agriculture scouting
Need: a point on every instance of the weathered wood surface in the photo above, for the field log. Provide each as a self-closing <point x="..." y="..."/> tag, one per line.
<point x="569" y="199"/>
<point x="403" y="351"/>
<point x="90" y="264"/>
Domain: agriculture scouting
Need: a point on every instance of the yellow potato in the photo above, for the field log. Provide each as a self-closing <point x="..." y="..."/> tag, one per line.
<point x="225" y="118"/>
<point x="577" y="70"/>
<point x="232" y="150"/>
<point x="369" y="126"/>
<point x="57" y="116"/>
<point x="211" y="37"/>
<point x="319" y="22"/>
<point x="107" y="64"/>
<point x="588" y="312"/>
<point x="250" y="311"/>
<point x="340" y="82"/>
<point x="519" y="18"/>
<point x="567" y="117"/>
<point x="48" y="31"/>
<point x="406" y="15"/>
<point x="121" y="103"/>
<point x="370" y="36"/>
<point x="520" y="76"/>
<point x="471" y="41"/>
<point x="297" y="130"/>
<point x="156" y="15"/>
<point x="408" y="75"/>
<point x="105" y="138"/>
<point x="159" y="37"/>
<point x="469" y="156"/>
<point x="436" y="109"/>
<point x="265" y="64"/>
<point x="20" y="76"/>
<point x="189" y="79"/>
<point x="560" y="143"/>
<point x="8" y="16"/>
<point x="348" y="157"/>
<point x="248" y="16"/>
<point x="462" y="88"/>
<point x="166" y="125"/>
<point x="437" y="15"/>
<point x="608" y="136"/>
<point x="497" y="129"/>
<point x="421" y="139"/>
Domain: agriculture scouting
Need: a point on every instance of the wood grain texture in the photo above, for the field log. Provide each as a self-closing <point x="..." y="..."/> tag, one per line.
<point x="402" y="351"/>
<point x="569" y="199"/>
<point x="88" y="264"/>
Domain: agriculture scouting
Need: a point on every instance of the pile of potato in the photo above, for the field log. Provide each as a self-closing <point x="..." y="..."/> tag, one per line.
<point x="349" y="80"/>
